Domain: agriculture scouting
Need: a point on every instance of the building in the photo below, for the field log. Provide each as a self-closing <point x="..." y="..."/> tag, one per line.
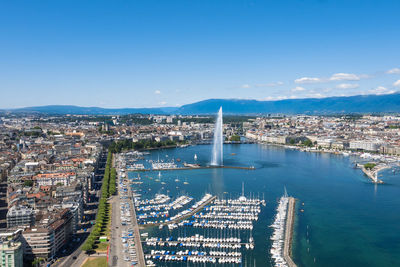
<point x="20" y="216"/>
<point x="53" y="233"/>
<point x="365" y="145"/>
<point x="391" y="150"/>
<point x="38" y="242"/>
<point x="274" y="139"/>
<point x="63" y="178"/>
<point x="11" y="254"/>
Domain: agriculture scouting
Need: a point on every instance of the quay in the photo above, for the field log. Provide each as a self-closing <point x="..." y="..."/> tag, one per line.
<point x="194" y="168"/>
<point x="138" y="243"/>
<point x="289" y="233"/>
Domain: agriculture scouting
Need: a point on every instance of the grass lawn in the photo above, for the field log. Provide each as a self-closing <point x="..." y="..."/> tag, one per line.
<point x="96" y="262"/>
<point x="101" y="247"/>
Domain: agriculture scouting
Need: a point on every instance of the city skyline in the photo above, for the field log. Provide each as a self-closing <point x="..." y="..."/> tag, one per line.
<point x="156" y="54"/>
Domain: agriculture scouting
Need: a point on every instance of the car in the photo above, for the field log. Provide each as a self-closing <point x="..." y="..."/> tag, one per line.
<point x="74" y="257"/>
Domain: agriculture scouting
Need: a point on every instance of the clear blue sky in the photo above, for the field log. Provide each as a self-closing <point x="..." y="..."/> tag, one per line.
<point x="167" y="53"/>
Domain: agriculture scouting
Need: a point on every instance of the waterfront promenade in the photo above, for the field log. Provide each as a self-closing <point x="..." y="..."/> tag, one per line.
<point x="289" y="232"/>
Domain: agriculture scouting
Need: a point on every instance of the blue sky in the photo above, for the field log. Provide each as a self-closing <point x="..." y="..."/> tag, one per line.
<point x="169" y="53"/>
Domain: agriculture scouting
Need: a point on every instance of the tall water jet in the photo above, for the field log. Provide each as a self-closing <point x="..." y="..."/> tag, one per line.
<point x="217" y="159"/>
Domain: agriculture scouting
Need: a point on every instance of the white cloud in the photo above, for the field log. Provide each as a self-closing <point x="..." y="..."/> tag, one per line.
<point x="157" y="92"/>
<point x="245" y="86"/>
<point x="397" y="83"/>
<point x="380" y="90"/>
<point x="298" y="89"/>
<point x="393" y="71"/>
<point x="345" y="77"/>
<point x="269" y="84"/>
<point x="308" y="80"/>
<point x="162" y="103"/>
<point x="347" y="86"/>
<point x="316" y="95"/>
<point x="272" y="98"/>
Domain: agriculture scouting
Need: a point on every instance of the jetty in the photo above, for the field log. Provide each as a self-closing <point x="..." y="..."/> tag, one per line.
<point x="373" y="174"/>
<point x="186" y="213"/>
<point x="287" y="249"/>
<point x="282" y="235"/>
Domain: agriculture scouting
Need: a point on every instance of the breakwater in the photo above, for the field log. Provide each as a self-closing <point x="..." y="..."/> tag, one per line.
<point x="287" y="249"/>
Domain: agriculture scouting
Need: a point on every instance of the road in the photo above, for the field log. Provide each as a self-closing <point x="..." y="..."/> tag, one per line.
<point x="116" y="247"/>
<point x="116" y="253"/>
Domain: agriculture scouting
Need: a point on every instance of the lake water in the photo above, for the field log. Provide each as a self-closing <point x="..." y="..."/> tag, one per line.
<point x="347" y="220"/>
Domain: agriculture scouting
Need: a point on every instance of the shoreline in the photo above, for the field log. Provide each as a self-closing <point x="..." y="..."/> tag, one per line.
<point x="370" y="174"/>
<point x="287" y="249"/>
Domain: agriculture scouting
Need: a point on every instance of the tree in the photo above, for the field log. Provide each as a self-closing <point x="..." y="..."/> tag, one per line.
<point x="369" y="166"/>
<point x="87" y="246"/>
<point x="308" y="143"/>
<point x="37" y="261"/>
<point x="28" y="183"/>
<point x="235" y="138"/>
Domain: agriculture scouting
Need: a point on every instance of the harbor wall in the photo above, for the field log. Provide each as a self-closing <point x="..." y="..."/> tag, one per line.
<point x="287" y="249"/>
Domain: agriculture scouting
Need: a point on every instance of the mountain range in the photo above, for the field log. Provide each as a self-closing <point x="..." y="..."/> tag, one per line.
<point x="331" y="105"/>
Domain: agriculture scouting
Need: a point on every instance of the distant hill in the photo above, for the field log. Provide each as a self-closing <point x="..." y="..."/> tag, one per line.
<point x="76" y="110"/>
<point x="329" y="105"/>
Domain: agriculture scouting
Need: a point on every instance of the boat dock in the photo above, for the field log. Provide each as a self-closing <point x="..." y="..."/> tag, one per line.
<point x="183" y="216"/>
<point x="287" y="249"/>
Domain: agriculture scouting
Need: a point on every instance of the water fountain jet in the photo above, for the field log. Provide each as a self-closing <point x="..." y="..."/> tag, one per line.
<point x="217" y="158"/>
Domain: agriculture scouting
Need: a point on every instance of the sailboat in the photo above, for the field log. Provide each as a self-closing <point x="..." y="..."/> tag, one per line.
<point x="195" y="156"/>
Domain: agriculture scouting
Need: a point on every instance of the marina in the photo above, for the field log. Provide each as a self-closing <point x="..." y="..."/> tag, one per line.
<point x="218" y="221"/>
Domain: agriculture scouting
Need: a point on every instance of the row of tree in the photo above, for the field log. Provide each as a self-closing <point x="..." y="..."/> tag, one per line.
<point x="108" y="188"/>
<point x="120" y="145"/>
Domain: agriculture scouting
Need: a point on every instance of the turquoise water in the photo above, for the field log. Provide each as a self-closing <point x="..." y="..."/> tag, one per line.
<point x="347" y="220"/>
